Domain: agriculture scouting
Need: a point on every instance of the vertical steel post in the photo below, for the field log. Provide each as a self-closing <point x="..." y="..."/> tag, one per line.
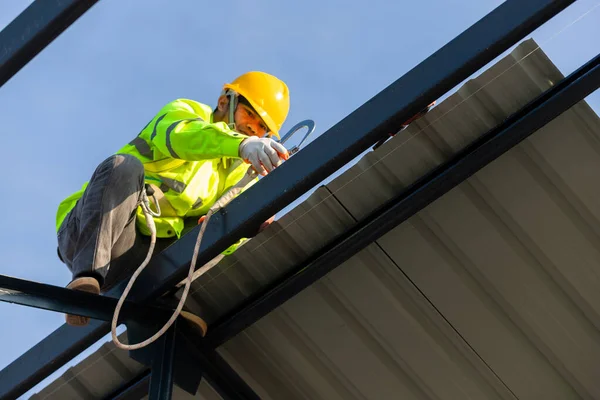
<point x="161" y="374"/>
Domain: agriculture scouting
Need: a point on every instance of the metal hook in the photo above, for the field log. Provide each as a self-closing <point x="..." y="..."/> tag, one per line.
<point x="307" y="123"/>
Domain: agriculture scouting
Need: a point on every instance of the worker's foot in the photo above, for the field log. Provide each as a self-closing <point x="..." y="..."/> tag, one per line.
<point x="84" y="284"/>
<point x="198" y="324"/>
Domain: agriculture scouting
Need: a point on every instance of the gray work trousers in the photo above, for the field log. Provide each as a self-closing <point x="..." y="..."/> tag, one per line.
<point x="99" y="237"/>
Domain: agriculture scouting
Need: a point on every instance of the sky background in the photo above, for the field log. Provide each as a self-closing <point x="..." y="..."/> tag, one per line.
<point x="97" y="85"/>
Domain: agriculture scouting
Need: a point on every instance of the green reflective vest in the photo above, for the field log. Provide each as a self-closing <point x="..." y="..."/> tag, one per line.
<point x="189" y="157"/>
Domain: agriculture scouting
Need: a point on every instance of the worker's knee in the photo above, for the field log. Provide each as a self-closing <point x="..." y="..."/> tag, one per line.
<point x="126" y="166"/>
<point x="122" y="173"/>
<point x="118" y="181"/>
<point x="127" y="162"/>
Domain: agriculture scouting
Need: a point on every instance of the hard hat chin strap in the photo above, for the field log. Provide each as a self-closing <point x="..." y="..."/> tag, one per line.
<point x="232" y="106"/>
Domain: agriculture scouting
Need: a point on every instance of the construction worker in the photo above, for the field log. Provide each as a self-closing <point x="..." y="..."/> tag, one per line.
<point x="187" y="155"/>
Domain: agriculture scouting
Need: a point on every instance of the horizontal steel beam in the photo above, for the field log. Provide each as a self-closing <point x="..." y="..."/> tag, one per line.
<point x="32" y="30"/>
<point x="59" y="299"/>
<point x="490" y="146"/>
<point x="385" y="112"/>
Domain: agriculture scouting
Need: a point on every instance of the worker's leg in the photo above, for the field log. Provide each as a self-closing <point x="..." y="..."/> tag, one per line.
<point x="101" y="227"/>
<point x="98" y="240"/>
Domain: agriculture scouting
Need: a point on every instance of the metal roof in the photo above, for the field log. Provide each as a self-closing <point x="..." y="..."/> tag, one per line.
<point x="488" y="293"/>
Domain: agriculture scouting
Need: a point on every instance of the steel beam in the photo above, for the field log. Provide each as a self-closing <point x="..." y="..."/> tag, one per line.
<point x="446" y="68"/>
<point x="161" y="374"/>
<point x="32" y="30"/>
<point x="54" y="298"/>
<point x="429" y="188"/>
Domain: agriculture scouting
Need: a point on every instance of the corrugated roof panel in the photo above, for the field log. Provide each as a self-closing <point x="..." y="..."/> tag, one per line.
<point x="488" y="308"/>
<point x="363" y="332"/>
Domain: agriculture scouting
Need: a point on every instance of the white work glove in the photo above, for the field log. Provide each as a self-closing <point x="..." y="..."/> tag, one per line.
<point x="264" y="154"/>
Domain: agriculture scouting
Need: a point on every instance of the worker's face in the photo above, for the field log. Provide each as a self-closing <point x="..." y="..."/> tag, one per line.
<point x="248" y="122"/>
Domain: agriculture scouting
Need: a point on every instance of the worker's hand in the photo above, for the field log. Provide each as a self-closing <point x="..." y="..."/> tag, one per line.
<point x="261" y="228"/>
<point x="264" y="154"/>
<point x="266" y="224"/>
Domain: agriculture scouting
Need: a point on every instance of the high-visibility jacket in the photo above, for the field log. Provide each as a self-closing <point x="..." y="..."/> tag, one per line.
<point x="189" y="157"/>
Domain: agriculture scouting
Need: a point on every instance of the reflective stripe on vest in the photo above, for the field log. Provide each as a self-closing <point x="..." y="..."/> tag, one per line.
<point x="177" y="186"/>
<point x="142" y="147"/>
<point x="170" y="129"/>
<point x="164" y="188"/>
<point x="153" y="135"/>
<point x="198" y="203"/>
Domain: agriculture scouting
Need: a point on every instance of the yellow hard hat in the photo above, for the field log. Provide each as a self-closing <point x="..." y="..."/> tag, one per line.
<point x="269" y="96"/>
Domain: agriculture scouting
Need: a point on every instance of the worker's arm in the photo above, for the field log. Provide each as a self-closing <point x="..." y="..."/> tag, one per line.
<point x="182" y="130"/>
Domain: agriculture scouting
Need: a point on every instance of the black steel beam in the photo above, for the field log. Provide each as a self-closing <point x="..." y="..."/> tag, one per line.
<point x="432" y="186"/>
<point x="32" y="30"/>
<point x="54" y="298"/>
<point x="161" y="374"/>
<point x="429" y="80"/>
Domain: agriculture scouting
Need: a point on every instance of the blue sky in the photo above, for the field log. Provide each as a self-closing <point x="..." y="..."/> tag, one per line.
<point x="98" y="84"/>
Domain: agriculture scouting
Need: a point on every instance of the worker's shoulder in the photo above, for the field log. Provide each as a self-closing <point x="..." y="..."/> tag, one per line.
<point x="192" y="106"/>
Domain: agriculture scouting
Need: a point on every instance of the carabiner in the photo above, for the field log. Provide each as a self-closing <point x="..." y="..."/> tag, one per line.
<point x="307" y="123"/>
